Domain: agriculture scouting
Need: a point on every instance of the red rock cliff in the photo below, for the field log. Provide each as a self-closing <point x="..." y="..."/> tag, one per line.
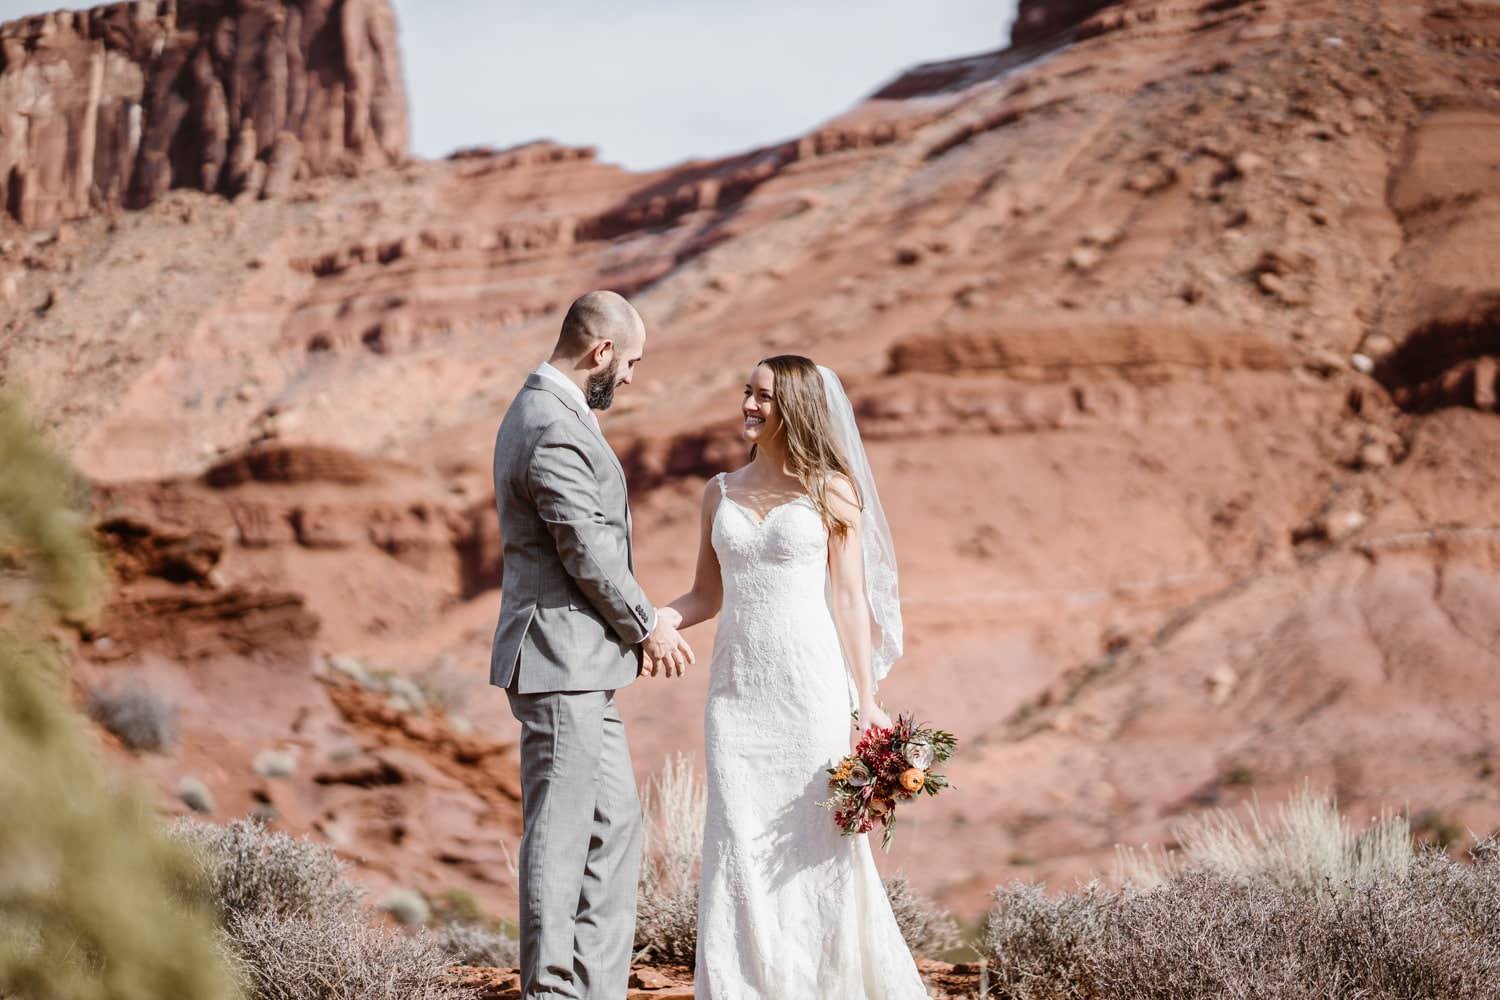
<point x="1038" y="20"/>
<point x="116" y="105"/>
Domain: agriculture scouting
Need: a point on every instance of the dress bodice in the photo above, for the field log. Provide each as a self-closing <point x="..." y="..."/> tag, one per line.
<point x="781" y="558"/>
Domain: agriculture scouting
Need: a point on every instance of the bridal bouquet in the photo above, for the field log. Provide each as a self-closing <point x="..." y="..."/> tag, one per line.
<point x="888" y="766"/>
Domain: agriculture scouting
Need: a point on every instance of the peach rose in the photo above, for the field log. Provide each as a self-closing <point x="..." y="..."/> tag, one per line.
<point x="913" y="778"/>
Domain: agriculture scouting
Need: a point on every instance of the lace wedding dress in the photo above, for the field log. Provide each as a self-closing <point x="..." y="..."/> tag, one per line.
<point x="788" y="909"/>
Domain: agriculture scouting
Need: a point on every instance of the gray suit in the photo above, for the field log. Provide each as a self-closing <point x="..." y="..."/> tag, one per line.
<point x="571" y="622"/>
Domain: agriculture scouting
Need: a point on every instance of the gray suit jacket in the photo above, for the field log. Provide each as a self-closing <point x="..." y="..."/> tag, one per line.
<point x="572" y="615"/>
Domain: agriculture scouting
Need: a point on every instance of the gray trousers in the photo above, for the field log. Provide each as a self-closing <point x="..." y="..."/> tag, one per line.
<point x="581" y="851"/>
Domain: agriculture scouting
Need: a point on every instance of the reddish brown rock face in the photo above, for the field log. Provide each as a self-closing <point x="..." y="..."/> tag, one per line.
<point x="1175" y="351"/>
<point x="116" y="105"/>
<point x="1042" y="20"/>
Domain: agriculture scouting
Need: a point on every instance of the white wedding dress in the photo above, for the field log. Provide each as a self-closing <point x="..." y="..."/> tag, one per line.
<point x="788" y="908"/>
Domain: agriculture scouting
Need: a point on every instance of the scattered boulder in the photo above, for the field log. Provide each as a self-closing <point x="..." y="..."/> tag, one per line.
<point x="1084" y="259"/>
<point x="1246" y="163"/>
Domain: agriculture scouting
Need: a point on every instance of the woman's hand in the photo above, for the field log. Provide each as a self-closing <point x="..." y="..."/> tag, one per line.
<point x="870" y="715"/>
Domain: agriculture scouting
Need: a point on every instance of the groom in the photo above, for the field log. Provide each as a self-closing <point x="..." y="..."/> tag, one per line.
<point x="575" y="626"/>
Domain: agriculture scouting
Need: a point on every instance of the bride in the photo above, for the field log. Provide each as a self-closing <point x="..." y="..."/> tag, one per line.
<point x="795" y="551"/>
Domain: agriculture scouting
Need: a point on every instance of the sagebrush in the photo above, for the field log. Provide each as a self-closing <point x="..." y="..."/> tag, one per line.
<point x="142" y="719"/>
<point x="248" y="869"/>
<point x="473" y="944"/>
<point x="928" y="928"/>
<point x="298" y="929"/>
<point x="302" y="958"/>
<point x="1290" y="907"/>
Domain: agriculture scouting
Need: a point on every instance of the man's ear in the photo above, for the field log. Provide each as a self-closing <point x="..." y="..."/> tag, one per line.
<point x="601" y="352"/>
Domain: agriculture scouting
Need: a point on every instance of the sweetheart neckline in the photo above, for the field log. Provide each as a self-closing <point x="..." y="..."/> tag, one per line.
<point x="750" y="514"/>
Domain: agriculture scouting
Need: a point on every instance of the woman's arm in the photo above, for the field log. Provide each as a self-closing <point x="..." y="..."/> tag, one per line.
<point x="851" y="606"/>
<point x="703" y="601"/>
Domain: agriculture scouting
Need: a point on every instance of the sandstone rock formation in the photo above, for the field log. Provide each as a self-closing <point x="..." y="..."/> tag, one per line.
<point x="116" y="105"/>
<point x="1172" y="330"/>
<point x="1041" y="22"/>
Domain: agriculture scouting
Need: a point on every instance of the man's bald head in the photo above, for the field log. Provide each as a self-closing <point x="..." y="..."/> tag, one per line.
<point x="602" y="338"/>
<point x="596" y="316"/>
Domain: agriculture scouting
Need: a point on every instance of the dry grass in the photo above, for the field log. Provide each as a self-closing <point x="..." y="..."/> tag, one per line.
<point x="1306" y="845"/>
<point x="673" y="808"/>
<point x="1289" y="906"/>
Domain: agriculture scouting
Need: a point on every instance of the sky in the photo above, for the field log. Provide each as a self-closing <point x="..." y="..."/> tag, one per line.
<point x="653" y="82"/>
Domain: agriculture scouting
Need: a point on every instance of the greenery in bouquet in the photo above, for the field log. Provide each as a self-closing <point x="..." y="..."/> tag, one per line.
<point x="889" y="766"/>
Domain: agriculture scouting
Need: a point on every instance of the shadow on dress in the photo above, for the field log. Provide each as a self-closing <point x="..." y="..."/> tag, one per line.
<point x="802" y="838"/>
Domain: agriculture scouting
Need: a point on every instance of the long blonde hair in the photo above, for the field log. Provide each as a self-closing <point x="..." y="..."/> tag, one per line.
<point x="813" y="452"/>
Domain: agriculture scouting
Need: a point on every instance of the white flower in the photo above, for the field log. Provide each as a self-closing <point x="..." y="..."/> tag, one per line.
<point x="918" y="753"/>
<point x="859" y="775"/>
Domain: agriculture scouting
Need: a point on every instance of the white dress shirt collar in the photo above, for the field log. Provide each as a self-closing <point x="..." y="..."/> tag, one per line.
<point x="547" y="371"/>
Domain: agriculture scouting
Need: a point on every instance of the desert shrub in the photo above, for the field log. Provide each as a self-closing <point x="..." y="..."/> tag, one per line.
<point x="474" y="944"/>
<point x="673" y="807"/>
<point x="142" y="719"/>
<point x="306" y="958"/>
<point x="1042" y="946"/>
<point x="298" y="929"/>
<point x="929" y="929"/>
<point x="86" y="907"/>
<point x="1256" y="914"/>
<point x="470" y="936"/>
<point x="249" y="869"/>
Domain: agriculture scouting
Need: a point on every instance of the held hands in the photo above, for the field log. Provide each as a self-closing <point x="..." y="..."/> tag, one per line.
<point x="666" y="648"/>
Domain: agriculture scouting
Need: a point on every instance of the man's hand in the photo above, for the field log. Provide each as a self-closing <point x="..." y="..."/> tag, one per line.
<point x="666" y="648"/>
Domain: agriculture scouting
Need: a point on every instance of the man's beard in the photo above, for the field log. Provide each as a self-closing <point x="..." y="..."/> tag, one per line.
<point x="601" y="387"/>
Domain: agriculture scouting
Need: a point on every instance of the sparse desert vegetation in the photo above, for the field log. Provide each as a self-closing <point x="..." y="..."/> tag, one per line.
<point x="672" y="808"/>
<point x="1289" y="905"/>
<point x="296" y="928"/>
<point x="140" y="718"/>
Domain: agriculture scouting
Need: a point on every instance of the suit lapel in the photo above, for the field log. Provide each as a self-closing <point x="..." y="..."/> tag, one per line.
<point x="535" y="381"/>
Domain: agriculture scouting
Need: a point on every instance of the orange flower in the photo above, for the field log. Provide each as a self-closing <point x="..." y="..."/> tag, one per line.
<point x="913" y="778"/>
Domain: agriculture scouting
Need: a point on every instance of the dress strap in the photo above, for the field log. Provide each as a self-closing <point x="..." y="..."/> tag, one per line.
<point x="723" y="490"/>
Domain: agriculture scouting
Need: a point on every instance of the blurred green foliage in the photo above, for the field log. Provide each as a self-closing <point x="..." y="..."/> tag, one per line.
<point x="92" y="905"/>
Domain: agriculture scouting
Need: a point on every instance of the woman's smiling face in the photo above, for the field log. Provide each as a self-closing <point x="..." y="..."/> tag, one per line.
<point x="762" y="419"/>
